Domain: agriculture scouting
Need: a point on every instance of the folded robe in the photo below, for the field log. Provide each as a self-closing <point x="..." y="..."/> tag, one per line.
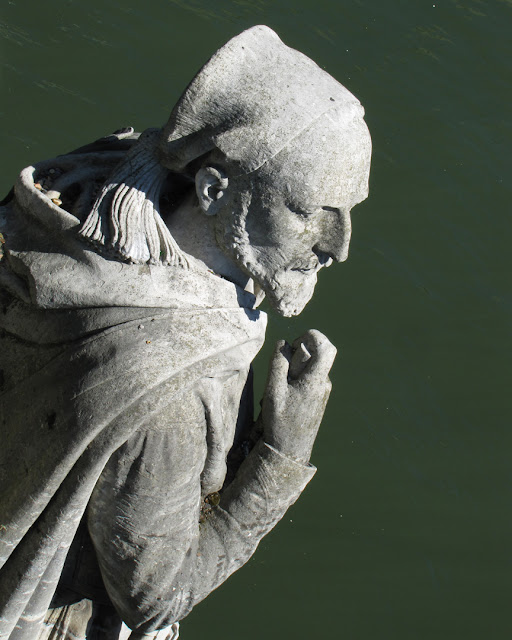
<point x="97" y="356"/>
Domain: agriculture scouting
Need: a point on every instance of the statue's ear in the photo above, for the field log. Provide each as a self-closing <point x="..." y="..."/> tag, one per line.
<point x="211" y="184"/>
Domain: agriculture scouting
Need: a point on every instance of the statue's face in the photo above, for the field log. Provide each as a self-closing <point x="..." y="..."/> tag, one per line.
<point x="291" y="218"/>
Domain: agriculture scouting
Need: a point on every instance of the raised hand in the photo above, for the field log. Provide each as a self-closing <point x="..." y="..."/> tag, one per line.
<point x="296" y="394"/>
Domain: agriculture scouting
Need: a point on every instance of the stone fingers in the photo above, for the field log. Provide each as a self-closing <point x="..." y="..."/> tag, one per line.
<point x="322" y="354"/>
<point x="279" y="366"/>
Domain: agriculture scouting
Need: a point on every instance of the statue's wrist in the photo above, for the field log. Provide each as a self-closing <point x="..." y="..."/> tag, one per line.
<point x="297" y="454"/>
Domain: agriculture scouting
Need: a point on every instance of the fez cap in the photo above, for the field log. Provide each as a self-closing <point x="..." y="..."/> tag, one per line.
<point x="251" y="98"/>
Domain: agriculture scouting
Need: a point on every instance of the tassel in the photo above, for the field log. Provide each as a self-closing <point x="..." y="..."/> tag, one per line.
<point x="125" y="217"/>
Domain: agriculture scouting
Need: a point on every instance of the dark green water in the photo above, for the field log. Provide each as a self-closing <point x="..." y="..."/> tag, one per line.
<point x="405" y="531"/>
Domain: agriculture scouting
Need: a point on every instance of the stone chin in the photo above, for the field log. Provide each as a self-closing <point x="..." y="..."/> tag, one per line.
<point x="288" y="291"/>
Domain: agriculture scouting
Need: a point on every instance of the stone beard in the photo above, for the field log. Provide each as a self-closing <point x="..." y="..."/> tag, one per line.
<point x="134" y="477"/>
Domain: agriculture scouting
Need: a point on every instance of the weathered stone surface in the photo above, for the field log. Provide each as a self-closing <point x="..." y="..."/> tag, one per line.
<point x="134" y="480"/>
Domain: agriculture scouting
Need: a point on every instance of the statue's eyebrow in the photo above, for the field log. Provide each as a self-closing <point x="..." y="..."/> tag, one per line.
<point x="333" y="209"/>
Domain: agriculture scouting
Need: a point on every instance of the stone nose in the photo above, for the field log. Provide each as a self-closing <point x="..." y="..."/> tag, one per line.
<point x="336" y="234"/>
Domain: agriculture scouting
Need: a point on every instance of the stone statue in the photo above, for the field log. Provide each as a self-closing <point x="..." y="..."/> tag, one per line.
<point x="134" y="478"/>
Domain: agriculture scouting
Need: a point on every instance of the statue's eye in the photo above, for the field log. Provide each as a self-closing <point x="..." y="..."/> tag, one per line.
<point x="300" y="211"/>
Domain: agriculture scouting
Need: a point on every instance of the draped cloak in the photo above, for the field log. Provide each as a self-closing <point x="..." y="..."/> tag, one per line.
<point x="121" y="388"/>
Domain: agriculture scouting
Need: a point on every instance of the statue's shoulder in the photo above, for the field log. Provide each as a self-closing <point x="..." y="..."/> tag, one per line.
<point x="59" y="192"/>
<point x="110" y="148"/>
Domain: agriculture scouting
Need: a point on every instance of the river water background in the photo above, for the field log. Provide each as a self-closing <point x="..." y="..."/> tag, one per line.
<point x="405" y="531"/>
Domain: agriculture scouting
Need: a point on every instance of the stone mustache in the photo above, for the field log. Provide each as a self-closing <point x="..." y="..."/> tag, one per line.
<point x="134" y="478"/>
